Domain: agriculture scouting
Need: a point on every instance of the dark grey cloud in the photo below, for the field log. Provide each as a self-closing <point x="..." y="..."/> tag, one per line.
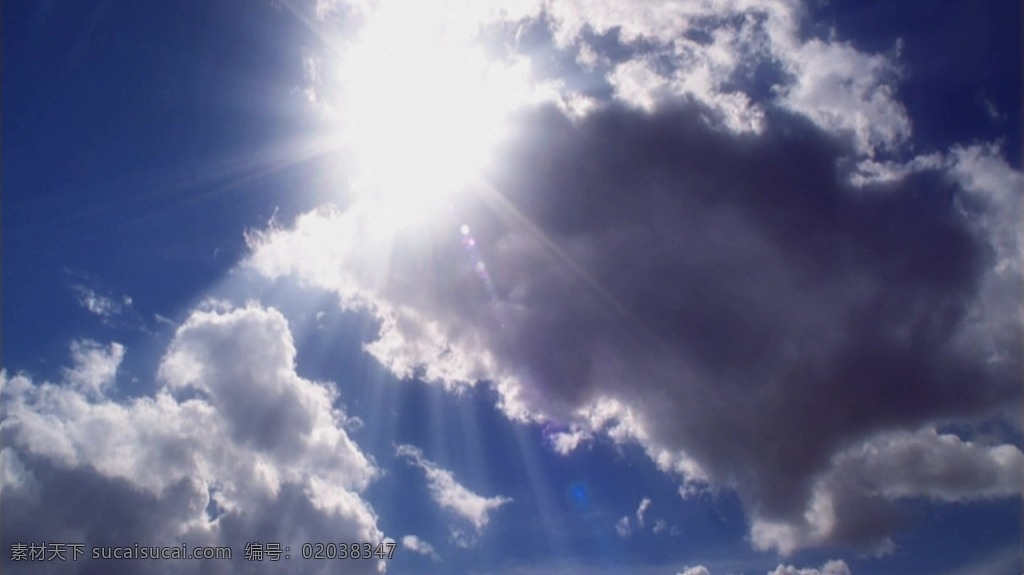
<point x="59" y="504"/>
<point x="739" y="286"/>
<point x="720" y="244"/>
<point x="731" y="301"/>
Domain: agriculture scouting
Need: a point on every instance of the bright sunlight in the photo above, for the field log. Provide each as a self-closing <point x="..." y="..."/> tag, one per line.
<point x="422" y="108"/>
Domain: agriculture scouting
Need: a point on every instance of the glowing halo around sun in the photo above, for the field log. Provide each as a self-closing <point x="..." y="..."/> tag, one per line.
<point x="421" y="107"/>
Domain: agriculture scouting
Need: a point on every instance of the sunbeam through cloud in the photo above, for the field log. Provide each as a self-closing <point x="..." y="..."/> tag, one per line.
<point x="512" y="286"/>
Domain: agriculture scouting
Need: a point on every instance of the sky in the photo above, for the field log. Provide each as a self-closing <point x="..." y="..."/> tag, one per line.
<point x="645" y="287"/>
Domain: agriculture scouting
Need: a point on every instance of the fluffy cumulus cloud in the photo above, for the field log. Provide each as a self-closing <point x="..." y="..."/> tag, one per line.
<point x="94" y="366"/>
<point x="454" y="497"/>
<point x="862" y="479"/>
<point x="232" y="447"/>
<point x="718" y="53"/>
<point x="753" y="284"/>
<point x="565" y="442"/>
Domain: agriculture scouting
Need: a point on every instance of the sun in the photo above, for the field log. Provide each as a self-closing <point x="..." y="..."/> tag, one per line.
<point x="422" y="108"/>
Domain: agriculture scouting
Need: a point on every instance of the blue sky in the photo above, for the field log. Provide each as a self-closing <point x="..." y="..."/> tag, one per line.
<point x="607" y="286"/>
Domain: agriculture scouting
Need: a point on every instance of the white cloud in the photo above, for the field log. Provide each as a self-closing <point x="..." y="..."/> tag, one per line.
<point x="645" y="503"/>
<point x="97" y="303"/>
<point x="843" y="90"/>
<point x="112" y="311"/>
<point x="327" y="8"/>
<point x="942" y="467"/>
<point x="623" y="527"/>
<point x="870" y="171"/>
<point x="450" y="494"/>
<point x="232" y="423"/>
<point x="696" y="74"/>
<point x="417" y="545"/>
<point x="890" y="467"/>
<point x="835" y="567"/>
<point x="637" y="83"/>
<point x="410" y="345"/>
<point x="463" y="538"/>
<point x="983" y="172"/>
<point x="95" y="366"/>
<point x="839" y="88"/>
<point x="565" y="442"/>
<point x="626" y="526"/>
<point x="660" y="526"/>
<point x="353" y="424"/>
<point x="354" y="264"/>
<point x="13" y="473"/>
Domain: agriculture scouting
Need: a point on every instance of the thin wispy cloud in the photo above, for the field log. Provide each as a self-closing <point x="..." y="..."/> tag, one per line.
<point x="451" y="495"/>
<point x="417" y="545"/>
<point x="98" y="304"/>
